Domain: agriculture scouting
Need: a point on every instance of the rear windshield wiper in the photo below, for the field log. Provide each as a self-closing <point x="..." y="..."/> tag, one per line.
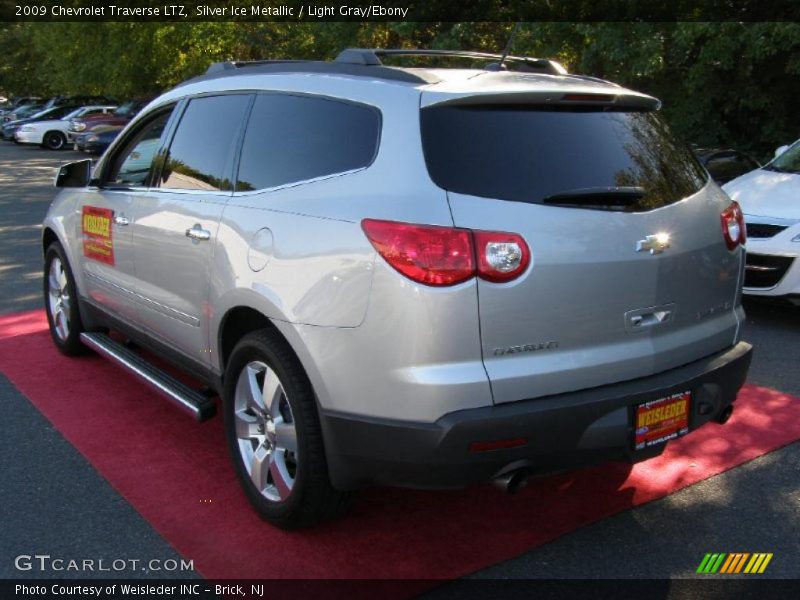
<point x="600" y="198"/>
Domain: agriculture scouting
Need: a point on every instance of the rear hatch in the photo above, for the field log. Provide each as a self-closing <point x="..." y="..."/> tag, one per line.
<point x="587" y="182"/>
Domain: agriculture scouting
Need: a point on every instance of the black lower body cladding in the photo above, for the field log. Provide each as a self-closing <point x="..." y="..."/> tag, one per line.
<point x="559" y="432"/>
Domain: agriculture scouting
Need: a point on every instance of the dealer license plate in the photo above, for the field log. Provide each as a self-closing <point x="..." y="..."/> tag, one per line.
<point x="661" y="420"/>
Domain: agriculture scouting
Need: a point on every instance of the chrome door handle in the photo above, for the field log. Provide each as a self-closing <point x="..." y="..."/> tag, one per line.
<point x="198" y="234"/>
<point x="121" y="220"/>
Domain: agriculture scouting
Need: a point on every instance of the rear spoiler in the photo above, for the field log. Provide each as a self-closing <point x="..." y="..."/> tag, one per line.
<point x="620" y="99"/>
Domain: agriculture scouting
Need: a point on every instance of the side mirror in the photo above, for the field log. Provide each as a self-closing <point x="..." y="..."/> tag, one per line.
<point x="781" y="150"/>
<point x="74" y="174"/>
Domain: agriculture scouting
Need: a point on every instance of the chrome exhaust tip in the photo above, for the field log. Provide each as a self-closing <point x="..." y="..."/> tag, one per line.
<point x="512" y="482"/>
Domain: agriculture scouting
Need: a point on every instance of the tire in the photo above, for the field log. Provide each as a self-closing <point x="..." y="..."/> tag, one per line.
<point x="54" y="140"/>
<point x="61" y="302"/>
<point x="276" y="446"/>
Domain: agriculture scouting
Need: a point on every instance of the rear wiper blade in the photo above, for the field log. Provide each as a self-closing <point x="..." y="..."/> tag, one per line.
<point x="608" y="198"/>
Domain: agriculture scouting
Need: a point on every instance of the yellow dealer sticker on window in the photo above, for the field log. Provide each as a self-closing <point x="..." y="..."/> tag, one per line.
<point x="98" y="243"/>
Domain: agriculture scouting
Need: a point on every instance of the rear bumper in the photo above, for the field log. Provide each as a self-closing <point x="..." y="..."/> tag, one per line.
<point x="561" y="431"/>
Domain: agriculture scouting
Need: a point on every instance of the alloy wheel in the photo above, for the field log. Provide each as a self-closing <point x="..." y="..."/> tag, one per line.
<point x="265" y="431"/>
<point x="58" y="298"/>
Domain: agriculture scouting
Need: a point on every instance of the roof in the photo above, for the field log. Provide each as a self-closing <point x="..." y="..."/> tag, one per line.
<point x="366" y="62"/>
<point x="519" y="76"/>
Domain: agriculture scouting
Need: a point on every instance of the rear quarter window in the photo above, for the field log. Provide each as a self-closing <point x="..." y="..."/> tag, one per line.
<point x="291" y="138"/>
<point x="533" y="154"/>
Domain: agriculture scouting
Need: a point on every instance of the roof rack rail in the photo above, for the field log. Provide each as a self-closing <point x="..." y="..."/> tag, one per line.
<point x="234" y="67"/>
<point x="227" y="65"/>
<point x="371" y="56"/>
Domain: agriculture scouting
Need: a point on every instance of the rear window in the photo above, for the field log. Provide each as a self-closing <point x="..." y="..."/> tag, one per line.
<point x="580" y="157"/>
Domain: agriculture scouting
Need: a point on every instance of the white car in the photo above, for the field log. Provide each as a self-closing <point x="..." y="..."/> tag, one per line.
<point x="770" y="198"/>
<point x="53" y="134"/>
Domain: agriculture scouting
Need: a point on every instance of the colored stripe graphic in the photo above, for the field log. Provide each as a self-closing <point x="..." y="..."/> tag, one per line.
<point x="734" y="562"/>
<point x="758" y="563"/>
<point x="711" y="563"/>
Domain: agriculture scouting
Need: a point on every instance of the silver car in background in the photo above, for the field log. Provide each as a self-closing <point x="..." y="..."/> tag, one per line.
<point x="403" y="276"/>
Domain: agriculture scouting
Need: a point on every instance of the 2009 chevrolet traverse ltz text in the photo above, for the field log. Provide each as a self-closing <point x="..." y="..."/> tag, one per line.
<point x="406" y="276"/>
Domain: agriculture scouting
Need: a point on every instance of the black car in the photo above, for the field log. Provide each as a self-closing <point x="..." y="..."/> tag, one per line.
<point x="96" y="142"/>
<point x="725" y="164"/>
<point x="57" y="112"/>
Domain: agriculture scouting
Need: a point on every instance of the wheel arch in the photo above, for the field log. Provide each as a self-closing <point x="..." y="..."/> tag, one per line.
<point x="234" y="325"/>
<point x="48" y="237"/>
<point x="52" y="231"/>
<point x="241" y="319"/>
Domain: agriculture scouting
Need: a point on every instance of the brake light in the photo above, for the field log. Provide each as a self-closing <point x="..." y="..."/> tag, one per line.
<point x="442" y="256"/>
<point x="733" y="226"/>
<point x="587" y="98"/>
<point x="437" y="256"/>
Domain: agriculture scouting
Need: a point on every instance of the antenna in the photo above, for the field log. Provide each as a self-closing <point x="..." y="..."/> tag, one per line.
<point x="509" y="45"/>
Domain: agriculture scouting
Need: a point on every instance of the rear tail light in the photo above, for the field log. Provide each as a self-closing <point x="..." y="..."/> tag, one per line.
<point x="501" y="256"/>
<point x="436" y="256"/>
<point x="442" y="256"/>
<point x="733" y="227"/>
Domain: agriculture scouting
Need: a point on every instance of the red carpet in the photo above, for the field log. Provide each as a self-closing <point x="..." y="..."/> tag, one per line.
<point x="169" y="468"/>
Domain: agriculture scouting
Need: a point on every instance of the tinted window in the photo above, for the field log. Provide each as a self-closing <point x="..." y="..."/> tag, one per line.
<point x="60" y="111"/>
<point x="201" y="154"/>
<point x="295" y="138"/>
<point x="133" y="163"/>
<point x="788" y="162"/>
<point x="53" y="113"/>
<point x="570" y="157"/>
<point x="725" y="166"/>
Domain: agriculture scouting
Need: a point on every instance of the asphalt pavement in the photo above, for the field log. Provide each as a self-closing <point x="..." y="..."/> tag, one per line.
<point x="55" y="502"/>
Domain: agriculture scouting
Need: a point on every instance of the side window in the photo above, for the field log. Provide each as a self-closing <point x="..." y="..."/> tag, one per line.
<point x="296" y="138"/>
<point x="201" y="154"/>
<point x="132" y="165"/>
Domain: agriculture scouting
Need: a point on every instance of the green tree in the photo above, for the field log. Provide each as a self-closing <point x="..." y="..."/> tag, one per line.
<point x="722" y="83"/>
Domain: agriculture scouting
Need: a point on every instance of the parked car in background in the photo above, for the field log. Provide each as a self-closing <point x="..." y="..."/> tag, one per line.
<point x="57" y="112"/>
<point x="21" y="112"/>
<point x="66" y="102"/>
<point x="97" y="140"/>
<point x="79" y="101"/>
<point x="725" y="164"/>
<point x="17" y="102"/>
<point x="119" y="118"/>
<point x="770" y="199"/>
<point x="52" y="133"/>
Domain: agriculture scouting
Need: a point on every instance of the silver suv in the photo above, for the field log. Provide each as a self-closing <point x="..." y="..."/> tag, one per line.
<point x="405" y="276"/>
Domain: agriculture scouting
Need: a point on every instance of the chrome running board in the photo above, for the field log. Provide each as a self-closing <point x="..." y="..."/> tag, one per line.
<point x="197" y="404"/>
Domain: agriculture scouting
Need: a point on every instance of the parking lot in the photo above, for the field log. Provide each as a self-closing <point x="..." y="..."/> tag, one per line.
<point x="752" y="508"/>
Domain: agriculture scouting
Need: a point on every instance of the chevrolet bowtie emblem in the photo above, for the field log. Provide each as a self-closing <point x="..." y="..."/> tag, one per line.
<point x="656" y="244"/>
